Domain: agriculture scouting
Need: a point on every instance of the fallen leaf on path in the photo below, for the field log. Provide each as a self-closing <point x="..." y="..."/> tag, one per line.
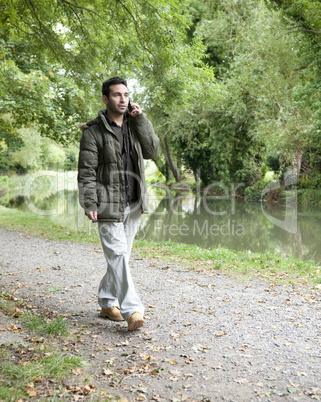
<point x="314" y="391"/>
<point x="175" y="336"/>
<point x="107" y="371"/>
<point x="157" y="371"/>
<point x="88" y="389"/>
<point x="142" y="390"/>
<point x="147" y="357"/>
<point x="29" y="389"/>
<point x="73" y="389"/>
<point x="241" y="380"/>
<point x="200" y="348"/>
<point x="122" y="344"/>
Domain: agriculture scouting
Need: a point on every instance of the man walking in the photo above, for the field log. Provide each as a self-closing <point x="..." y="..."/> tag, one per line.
<point x="112" y="190"/>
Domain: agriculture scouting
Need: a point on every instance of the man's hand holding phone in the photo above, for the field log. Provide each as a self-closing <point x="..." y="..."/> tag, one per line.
<point x="134" y="109"/>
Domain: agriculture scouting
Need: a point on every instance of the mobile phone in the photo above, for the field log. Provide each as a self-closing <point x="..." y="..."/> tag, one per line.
<point x="130" y="108"/>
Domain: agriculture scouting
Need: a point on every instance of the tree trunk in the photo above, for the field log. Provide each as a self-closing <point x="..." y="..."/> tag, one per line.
<point x="170" y="160"/>
<point x="298" y="161"/>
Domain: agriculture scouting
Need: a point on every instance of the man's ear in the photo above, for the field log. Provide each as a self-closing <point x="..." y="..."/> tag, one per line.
<point x="105" y="99"/>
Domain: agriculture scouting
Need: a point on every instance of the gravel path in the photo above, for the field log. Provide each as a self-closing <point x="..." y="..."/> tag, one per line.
<point x="207" y="337"/>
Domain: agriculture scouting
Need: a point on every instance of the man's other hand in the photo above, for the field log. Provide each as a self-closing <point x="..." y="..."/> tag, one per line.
<point x="92" y="215"/>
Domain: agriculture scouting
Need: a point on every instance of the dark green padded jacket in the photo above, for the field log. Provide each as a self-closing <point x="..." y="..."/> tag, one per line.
<point x="101" y="179"/>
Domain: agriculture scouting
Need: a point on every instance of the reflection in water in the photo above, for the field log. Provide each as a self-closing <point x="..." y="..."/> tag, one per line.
<point x="233" y="224"/>
<point x="205" y="221"/>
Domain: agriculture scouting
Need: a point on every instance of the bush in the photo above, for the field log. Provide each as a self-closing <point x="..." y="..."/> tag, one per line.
<point x="4" y="183"/>
<point x="310" y="196"/>
<point x="254" y="193"/>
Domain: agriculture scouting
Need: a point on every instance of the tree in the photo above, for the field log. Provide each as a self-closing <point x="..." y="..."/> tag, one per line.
<point x="303" y="18"/>
<point x="56" y="52"/>
<point x="254" y="108"/>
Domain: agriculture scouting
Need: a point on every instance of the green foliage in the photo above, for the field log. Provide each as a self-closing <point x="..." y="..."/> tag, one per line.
<point x="310" y="197"/>
<point x="225" y="82"/>
<point x="4" y="181"/>
<point x="254" y="192"/>
<point x="53" y="53"/>
<point x="141" y="38"/>
<point x="213" y="133"/>
<point x="37" y="94"/>
<point x="303" y="19"/>
<point x="37" y="152"/>
<point x="261" y="103"/>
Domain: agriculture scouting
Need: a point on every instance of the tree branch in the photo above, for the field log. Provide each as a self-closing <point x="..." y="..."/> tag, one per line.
<point x="80" y="7"/>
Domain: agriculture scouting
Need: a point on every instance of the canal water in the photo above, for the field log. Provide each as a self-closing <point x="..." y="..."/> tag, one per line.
<point x="182" y="216"/>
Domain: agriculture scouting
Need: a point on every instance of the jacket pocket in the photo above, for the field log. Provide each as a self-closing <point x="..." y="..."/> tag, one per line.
<point x="101" y="194"/>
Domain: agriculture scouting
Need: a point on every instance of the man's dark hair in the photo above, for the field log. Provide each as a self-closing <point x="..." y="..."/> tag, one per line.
<point x="112" y="81"/>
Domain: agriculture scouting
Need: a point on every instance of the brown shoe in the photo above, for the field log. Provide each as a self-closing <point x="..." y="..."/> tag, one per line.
<point x="112" y="313"/>
<point x="135" y="321"/>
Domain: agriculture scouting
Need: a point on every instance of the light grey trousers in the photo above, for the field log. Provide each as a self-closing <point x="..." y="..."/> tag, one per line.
<point x="117" y="287"/>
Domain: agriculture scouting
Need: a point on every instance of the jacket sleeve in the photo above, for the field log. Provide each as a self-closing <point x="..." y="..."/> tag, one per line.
<point x="87" y="171"/>
<point x="144" y="131"/>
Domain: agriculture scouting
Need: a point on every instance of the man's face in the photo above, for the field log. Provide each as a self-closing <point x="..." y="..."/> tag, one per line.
<point x="118" y="99"/>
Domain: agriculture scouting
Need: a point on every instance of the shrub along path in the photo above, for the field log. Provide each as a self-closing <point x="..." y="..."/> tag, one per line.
<point x="207" y="336"/>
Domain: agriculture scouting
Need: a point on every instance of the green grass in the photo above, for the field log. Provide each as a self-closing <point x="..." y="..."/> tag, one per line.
<point x="259" y="265"/>
<point x="45" y="363"/>
<point x="242" y="263"/>
<point x="7" y="306"/>
<point x="39" y="324"/>
<point x="40" y="226"/>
